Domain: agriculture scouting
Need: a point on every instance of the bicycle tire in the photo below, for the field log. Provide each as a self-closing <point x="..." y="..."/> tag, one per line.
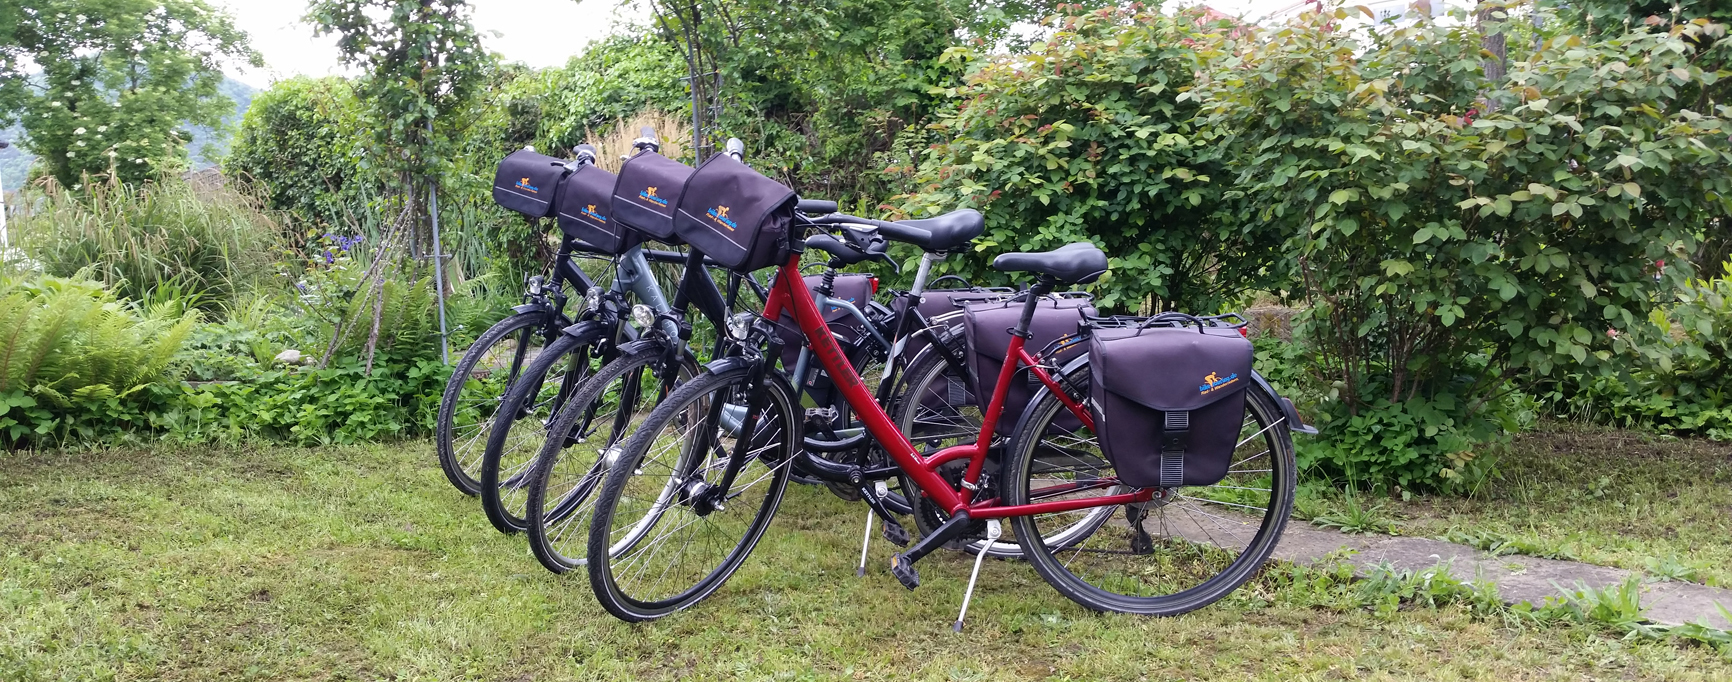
<point x="506" y="461"/>
<point x="460" y="445"/>
<point x="1193" y="543"/>
<point x="558" y="529"/>
<point x="618" y="536"/>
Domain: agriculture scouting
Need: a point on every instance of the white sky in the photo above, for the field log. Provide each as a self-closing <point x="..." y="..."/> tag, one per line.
<point x="536" y="32"/>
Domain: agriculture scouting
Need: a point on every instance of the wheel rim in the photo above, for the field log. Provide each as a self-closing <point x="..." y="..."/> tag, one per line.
<point x="477" y="401"/>
<point x="528" y="432"/>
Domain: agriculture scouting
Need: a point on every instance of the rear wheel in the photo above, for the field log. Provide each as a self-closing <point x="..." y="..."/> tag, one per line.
<point x="599" y="417"/>
<point x="478" y="382"/>
<point x="664" y="534"/>
<point x="1185" y="549"/>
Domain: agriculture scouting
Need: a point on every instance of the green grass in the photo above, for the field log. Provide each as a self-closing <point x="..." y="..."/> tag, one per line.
<point x="362" y="563"/>
<point x="1603" y="496"/>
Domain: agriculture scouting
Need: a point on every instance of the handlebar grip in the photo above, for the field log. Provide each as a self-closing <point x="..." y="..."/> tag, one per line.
<point x="736" y="148"/>
<point x="648" y="132"/>
<point x="585" y="153"/>
<point x="816" y="206"/>
<point x="892" y="231"/>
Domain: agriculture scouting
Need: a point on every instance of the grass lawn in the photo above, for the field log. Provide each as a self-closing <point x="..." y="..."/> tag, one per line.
<point x="362" y="563"/>
<point x="1603" y="496"/>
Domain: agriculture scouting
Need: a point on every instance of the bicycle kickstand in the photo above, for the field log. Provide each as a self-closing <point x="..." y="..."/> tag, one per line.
<point x="894" y="532"/>
<point x="993" y="530"/>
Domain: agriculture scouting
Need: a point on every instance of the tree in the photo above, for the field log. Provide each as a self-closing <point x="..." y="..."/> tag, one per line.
<point x="104" y="87"/>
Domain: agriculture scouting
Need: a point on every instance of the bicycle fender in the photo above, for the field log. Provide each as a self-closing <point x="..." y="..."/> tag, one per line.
<point x="1294" y="423"/>
<point x="531" y="308"/>
<point x="590" y="328"/>
<point x="638" y="346"/>
<point x="727" y="364"/>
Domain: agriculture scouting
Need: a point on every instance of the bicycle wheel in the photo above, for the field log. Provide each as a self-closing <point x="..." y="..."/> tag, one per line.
<point x="520" y="425"/>
<point x="480" y="379"/>
<point x="600" y="416"/>
<point x="1196" y="543"/>
<point x="659" y="540"/>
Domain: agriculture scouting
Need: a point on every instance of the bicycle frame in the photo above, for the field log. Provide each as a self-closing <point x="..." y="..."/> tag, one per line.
<point x="790" y="291"/>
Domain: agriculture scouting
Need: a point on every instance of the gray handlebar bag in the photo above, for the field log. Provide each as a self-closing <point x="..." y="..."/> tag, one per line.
<point x="528" y="182"/>
<point x="736" y="215"/>
<point x="585" y="209"/>
<point x="987" y="326"/>
<point x="648" y="192"/>
<point x="1169" y="402"/>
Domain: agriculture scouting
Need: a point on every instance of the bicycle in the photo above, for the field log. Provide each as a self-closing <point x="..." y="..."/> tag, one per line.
<point x="491" y="366"/>
<point x="684" y="466"/>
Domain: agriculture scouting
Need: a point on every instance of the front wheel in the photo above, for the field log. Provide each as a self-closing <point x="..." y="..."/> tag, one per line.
<point x="666" y="533"/>
<point x="1182" y="551"/>
<point x="520" y="425"/>
<point x="479" y="380"/>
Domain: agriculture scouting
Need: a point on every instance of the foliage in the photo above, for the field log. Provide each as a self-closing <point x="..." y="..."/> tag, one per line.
<point x="343" y="403"/>
<point x="1675" y="372"/>
<point x="423" y="62"/>
<point x="1357" y="517"/>
<point x="73" y="355"/>
<point x="301" y="143"/>
<point x="1084" y="139"/>
<point x="136" y="239"/>
<point x="116" y="79"/>
<point x="1448" y="251"/>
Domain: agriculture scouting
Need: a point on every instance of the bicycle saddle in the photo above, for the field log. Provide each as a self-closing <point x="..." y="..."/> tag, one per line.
<point x="949" y="231"/>
<point x="1078" y="263"/>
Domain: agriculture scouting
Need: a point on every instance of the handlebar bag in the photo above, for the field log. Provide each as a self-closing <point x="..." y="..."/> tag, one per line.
<point x="584" y="211"/>
<point x="648" y="192"/>
<point x="528" y="182"/>
<point x="855" y="288"/>
<point x="1169" y="402"/>
<point x="736" y="215"/>
<point x="987" y="328"/>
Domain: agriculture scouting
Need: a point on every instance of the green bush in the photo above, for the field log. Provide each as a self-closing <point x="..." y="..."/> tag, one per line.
<point x="202" y="244"/>
<point x="77" y="363"/>
<point x="1675" y="372"/>
<point x="1458" y="238"/>
<point x="301" y="143"/>
<point x="1089" y="138"/>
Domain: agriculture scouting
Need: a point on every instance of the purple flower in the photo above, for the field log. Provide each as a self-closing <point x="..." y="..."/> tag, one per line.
<point x="330" y="258"/>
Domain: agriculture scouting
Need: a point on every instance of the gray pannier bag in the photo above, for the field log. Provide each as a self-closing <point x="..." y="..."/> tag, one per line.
<point x="1169" y="400"/>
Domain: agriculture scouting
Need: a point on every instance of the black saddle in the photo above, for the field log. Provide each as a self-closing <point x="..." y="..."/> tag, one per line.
<point x="948" y="231"/>
<point x="1078" y="263"/>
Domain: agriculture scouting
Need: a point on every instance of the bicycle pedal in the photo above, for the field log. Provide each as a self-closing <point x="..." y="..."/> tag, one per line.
<point x="904" y="571"/>
<point x="895" y="534"/>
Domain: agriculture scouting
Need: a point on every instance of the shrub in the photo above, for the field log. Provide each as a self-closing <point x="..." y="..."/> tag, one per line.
<point x="75" y="361"/>
<point x="1090" y="138"/>
<point x="203" y="244"/>
<point x="1459" y="238"/>
<point x="301" y="144"/>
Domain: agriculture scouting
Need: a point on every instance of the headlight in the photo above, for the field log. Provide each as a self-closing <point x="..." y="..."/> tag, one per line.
<point x="592" y="299"/>
<point x="644" y="317"/>
<point x="740" y="324"/>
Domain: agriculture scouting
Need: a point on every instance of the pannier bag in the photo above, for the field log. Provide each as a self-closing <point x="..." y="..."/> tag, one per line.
<point x="1169" y="401"/>
<point x="850" y="335"/>
<point x="585" y="211"/>
<point x="648" y="193"/>
<point x="735" y="215"/>
<point x="528" y="182"/>
<point x="985" y="325"/>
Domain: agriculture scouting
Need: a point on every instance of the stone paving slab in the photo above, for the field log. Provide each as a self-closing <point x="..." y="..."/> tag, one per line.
<point x="1518" y="578"/>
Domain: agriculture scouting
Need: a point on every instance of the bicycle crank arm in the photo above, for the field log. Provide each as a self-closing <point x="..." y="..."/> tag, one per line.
<point x="902" y="565"/>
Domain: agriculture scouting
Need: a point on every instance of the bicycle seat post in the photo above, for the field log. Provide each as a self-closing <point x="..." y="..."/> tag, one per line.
<point x="1041" y="287"/>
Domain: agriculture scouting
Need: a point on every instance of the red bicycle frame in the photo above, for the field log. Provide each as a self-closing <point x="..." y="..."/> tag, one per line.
<point x="790" y="291"/>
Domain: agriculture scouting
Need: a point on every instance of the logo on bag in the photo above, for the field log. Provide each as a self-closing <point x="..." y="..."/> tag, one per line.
<point x="1215" y="382"/>
<point x="524" y="185"/>
<point x="590" y="211"/>
<point x="649" y="194"/>
<point x="720" y="215"/>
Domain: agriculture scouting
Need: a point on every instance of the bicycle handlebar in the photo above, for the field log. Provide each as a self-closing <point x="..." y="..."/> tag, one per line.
<point x="892" y="231"/>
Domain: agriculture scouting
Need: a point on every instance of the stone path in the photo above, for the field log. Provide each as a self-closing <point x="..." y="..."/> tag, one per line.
<point x="1518" y="578"/>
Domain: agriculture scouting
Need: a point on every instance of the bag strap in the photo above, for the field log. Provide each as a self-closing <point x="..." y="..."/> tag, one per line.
<point x="1175" y="439"/>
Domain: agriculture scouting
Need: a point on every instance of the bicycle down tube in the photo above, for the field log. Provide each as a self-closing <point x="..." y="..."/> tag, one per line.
<point x="790" y="290"/>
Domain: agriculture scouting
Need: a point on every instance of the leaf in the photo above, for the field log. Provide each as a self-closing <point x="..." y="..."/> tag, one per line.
<point x="1421" y="235"/>
<point x="1342" y="196"/>
<point x="1559" y="208"/>
<point x="1632" y="189"/>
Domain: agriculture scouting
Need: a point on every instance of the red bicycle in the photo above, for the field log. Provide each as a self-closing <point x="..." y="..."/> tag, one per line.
<point x="690" y="494"/>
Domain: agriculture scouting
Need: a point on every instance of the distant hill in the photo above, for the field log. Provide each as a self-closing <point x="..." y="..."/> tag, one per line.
<point x="15" y="162"/>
